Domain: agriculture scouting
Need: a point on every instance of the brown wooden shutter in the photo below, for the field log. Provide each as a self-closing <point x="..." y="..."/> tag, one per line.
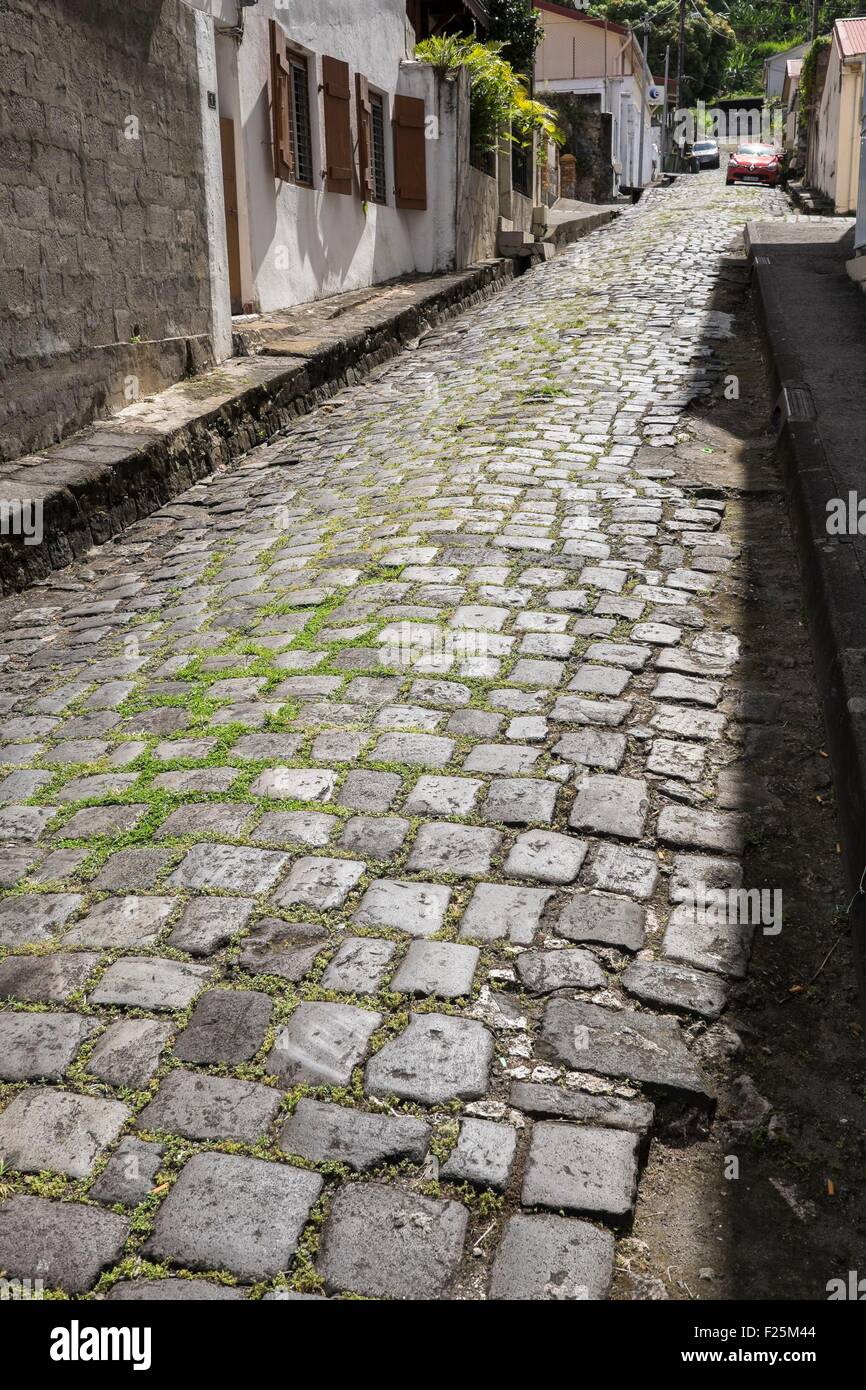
<point x="338" y="126"/>
<point x="365" y="137"/>
<point x="281" y="105"/>
<point x="410" y="153"/>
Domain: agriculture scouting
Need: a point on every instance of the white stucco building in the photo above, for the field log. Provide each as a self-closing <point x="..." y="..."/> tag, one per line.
<point x="833" y="161"/>
<point x="331" y="157"/>
<point x="594" y="58"/>
<point x="776" y="67"/>
<point x="790" y="99"/>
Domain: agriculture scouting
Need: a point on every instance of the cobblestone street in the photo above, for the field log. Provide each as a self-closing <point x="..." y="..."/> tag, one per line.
<point x="357" y="809"/>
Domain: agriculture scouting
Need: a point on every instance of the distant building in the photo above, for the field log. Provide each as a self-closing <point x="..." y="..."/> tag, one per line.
<point x="776" y="66"/>
<point x="833" y="159"/>
<point x="791" y="107"/>
<point x="590" y="68"/>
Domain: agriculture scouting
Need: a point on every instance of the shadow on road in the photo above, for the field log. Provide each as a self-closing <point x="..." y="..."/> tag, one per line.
<point x="789" y="1050"/>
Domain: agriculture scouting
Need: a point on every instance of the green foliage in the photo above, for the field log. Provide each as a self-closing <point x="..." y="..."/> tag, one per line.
<point x="517" y="25"/>
<point x="498" y="97"/>
<point x="726" y="42"/>
<point x="763" y="27"/>
<point x="709" y="38"/>
<point x="810" y="71"/>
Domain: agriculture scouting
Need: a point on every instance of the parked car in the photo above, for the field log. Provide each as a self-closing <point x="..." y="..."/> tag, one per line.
<point x="706" y="154"/>
<point x="754" y="164"/>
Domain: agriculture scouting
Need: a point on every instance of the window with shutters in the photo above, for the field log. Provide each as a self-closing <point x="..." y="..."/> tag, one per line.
<point x="377" y="146"/>
<point x="365" y="167"/>
<point x="338" y="125"/>
<point x="410" y="153"/>
<point x="302" y="140"/>
<point x="290" y="109"/>
<point x="281" y="104"/>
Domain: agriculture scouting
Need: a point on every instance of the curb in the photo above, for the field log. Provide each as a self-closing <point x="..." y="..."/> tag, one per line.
<point x="566" y="233"/>
<point x="833" y="591"/>
<point x="95" y="484"/>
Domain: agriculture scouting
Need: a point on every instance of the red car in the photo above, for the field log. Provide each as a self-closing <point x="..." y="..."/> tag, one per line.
<point x="758" y="163"/>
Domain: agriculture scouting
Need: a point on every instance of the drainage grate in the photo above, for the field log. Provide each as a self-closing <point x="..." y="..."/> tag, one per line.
<point x="796" y="404"/>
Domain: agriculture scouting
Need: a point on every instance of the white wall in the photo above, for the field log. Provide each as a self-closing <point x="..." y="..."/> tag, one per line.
<point x="848" y="164"/>
<point x="823" y="152"/>
<point x="834" y="159"/>
<point x="776" y="66"/>
<point x="621" y="97"/>
<point x="221" y="329"/>
<point x="298" y="243"/>
<point x="432" y="234"/>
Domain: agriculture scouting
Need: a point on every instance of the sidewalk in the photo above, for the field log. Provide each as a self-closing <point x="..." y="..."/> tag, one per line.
<point x="100" y="480"/>
<point x="96" y="483"/>
<point x="569" y="220"/>
<point x="814" y="319"/>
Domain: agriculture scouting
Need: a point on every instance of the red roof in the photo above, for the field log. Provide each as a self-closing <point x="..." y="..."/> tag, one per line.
<point x="851" y="36"/>
<point x="580" y="16"/>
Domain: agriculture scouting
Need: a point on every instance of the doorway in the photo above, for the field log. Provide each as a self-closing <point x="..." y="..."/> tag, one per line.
<point x="230" y="198"/>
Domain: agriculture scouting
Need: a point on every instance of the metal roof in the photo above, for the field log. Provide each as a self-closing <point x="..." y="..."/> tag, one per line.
<point x="579" y="16"/>
<point x="851" y="36"/>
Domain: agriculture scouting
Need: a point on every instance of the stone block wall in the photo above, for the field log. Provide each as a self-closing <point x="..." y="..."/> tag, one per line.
<point x="588" y="139"/>
<point x="477" y="217"/>
<point x="104" y="285"/>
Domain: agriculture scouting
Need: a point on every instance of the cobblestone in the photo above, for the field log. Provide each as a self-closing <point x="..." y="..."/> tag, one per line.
<point x="360" y="965"/>
<point x="387" y="1243"/>
<point x="416" y="908"/>
<point x="438" y="968"/>
<point x="551" y="1257"/>
<point x="47" y="1130"/>
<point x="127" y="1053"/>
<point x="326" y="1133"/>
<point x="211" y="1107"/>
<point x="321" y="1044"/>
<point x="608" y="921"/>
<point x="45" y="979"/>
<point x="544" y="971"/>
<point x="359" y="808"/>
<point x="227" y="1026"/>
<point x="71" y="1243"/>
<point x="39" y="1044"/>
<point x="483" y="1154"/>
<point x="536" y="1098"/>
<point x="234" y="1213"/>
<point x="286" y="949"/>
<point x="436" y="1058"/>
<point x="582" y="1169"/>
<point x="129" y="1174"/>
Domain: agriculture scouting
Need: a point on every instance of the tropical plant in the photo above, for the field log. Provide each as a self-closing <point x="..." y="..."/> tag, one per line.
<point x="499" y="101"/>
<point x="809" y="71"/>
<point x="517" y="25"/>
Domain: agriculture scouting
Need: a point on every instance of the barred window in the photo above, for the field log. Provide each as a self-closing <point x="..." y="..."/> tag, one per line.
<point x="301" y="127"/>
<point x="377" y="146"/>
<point x="520" y="169"/>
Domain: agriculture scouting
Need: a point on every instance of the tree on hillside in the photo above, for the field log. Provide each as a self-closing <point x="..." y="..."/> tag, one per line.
<point x="764" y="27"/>
<point x="709" y="37"/>
<point x="516" y="24"/>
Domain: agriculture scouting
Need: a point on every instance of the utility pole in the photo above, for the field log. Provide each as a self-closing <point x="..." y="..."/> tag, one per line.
<point x="816" y="6"/>
<point x="681" y="55"/>
<point x="664" y="149"/>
